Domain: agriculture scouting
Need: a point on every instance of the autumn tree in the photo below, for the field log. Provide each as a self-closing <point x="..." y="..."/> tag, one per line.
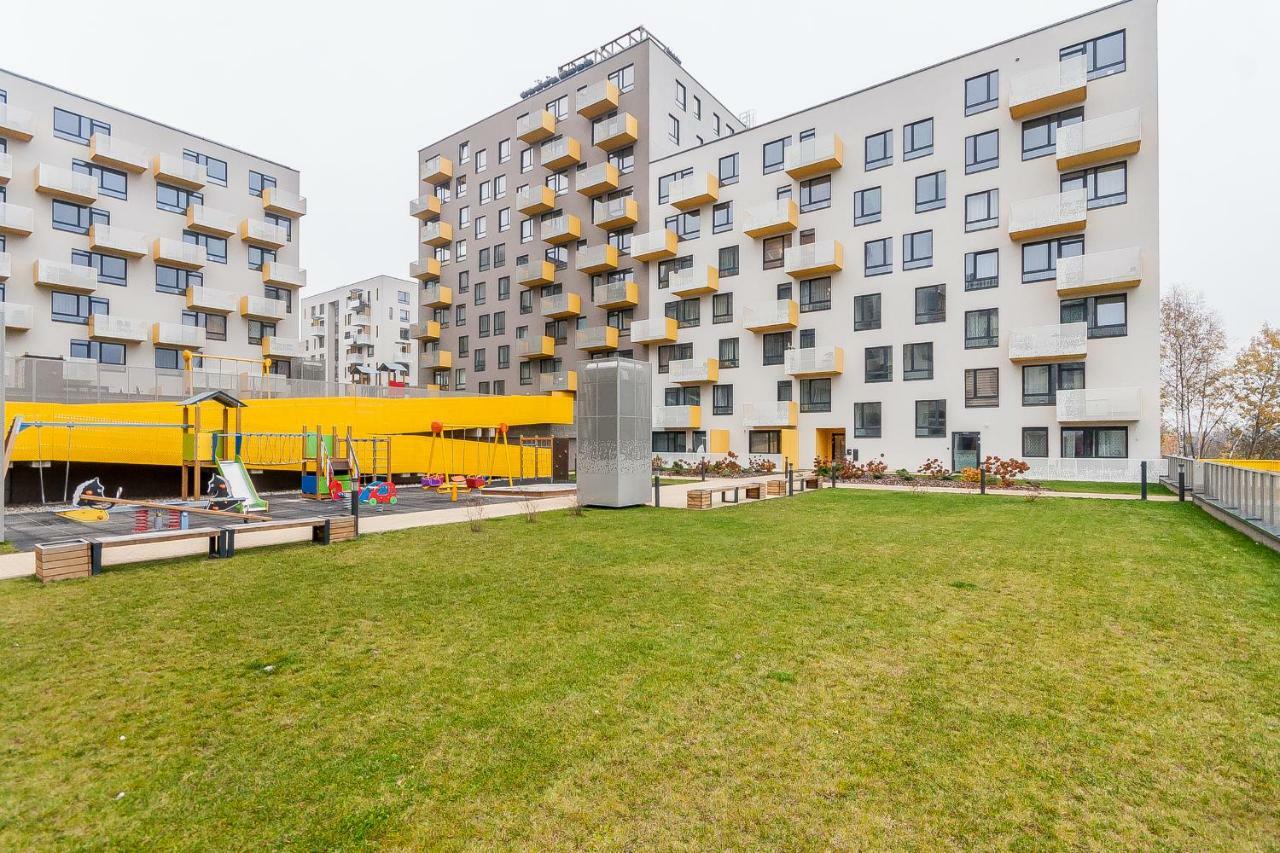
<point x="1195" y="379"/>
<point x="1255" y="392"/>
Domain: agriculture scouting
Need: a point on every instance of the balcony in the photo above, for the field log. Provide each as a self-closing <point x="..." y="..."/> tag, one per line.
<point x="771" y="219"/>
<point x="1099" y="272"/>
<point x="263" y="308"/>
<point x="263" y="234"/>
<point x="536" y="126"/>
<point x="615" y="213"/>
<point x="783" y="414"/>
<point x="560" y="153"/>
<point x="695" y="371"/>
<point x="535" y="273"/>
<point x="115" y="153"/>
<point x="212" y="300"/>
<point x="65" y="184"/>
<point x="16" y="220"/>
<point x="356" y="356"/>
<point x="121" y="242"/>
<point x="437" y="296"/>
<point x="1046" y="344"/>
<point x="441" y="359"/>
<point x="425" y="207"/>
<point x="1049" y="88"/>
<point x="535" y="199"/>
<point x="594" y="259"/>
<point x="817" y="156"/>
<point x="176" y="253"/>
<point x="436" y="170"/>
<point x="560" y="382"/>
<point x="655" y="330"/>
<point x="598" y="179"/>
<point x="597" y="339"/>
<point x="657" y="245"/>
<point x="1048" y="215"/>
<point x="425" y="330"/>
<point x="1099" y="405"/>
<point x="208" y="220"/>
<point x="6" y="266"/>
<point x="276" y="347"/>
<point x="16" y="123"/>
<point x="179" y="172"/>
<point x="618" y="295"/>
<point x="561" y="305"/>
<point x="282" y="275"/>
<point x="537" y="347"/>
<point x="559" y="230"/>
<point x="777" y="316"/>
<point x="6" y="168"/>
<point x="1099" y="140"/>
<point x="437" y="234"/>
<point x="283" y="203"/>
<point x="177" y="335"/>
<point x="125" y="330"/>
<point x="694" y="191"/>
<point x="814" y="361"/>
<point x="425" y="269"/>
<point x="597" y="99"/>
<point x="616" y="132"/>
<point x="64" y="276"/>
<point x="815" y="259"/>
<point x="17" y="317"/>
<point x="677" y="417"/>
<point x="694" y="281"/>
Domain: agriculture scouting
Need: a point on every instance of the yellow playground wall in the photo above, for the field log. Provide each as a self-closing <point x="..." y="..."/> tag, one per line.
<point x="1255" y="464"/>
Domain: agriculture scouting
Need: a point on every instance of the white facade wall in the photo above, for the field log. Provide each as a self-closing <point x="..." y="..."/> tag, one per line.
<point x="352" y="342"/>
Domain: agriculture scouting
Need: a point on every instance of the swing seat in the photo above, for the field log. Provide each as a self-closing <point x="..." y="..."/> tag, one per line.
<point x="432" y="480"/>
<point x="476" y="482"/>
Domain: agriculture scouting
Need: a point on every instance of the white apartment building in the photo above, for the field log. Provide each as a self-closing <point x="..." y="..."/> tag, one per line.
<point x="129" y="243"/>
<point x="966" y="253"/>
<point x="363" y="333"/>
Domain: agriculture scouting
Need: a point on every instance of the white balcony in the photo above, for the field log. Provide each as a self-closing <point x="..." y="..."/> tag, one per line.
<point x="654" y="330"/>
<point x="263" y="308"/>
<point x="425" y="330"/>
<point x="425" y="269"/>
<point x="1099" y="405"/>
<point x="778" y="316"/>
<point x="1045" y="344"/>
<point x="561" y="306"/>
<point x="6" y="168"/>
<point x="178" y="171"/>
<point x="263" y="234"/>
<point x="817" y="156"/>
<point x="436" y="170"/>
<point x="600" y="178"/>
<point x="1099" y="272"/>
<point x="176" y="253"/>
<point x="441" y="359"/>
<point x="177" y="335"/>
<point x="597" y="339"/>
<point x="535" y="126"/>
<point x="207" y="220"/>
<point x="283" y="203"/>
<point x="560" y="153"/>
<point x="814" y="361"/>
<point x="597" y="98"/>
<point x="436" y="234"/>
<point x="559" y="382"/>
<point x="6" y="266"/>
<point x="277" y="347"/>
<point x="778" y="415"/>
<point x="436" y="296"/>
<point x="212" y="300"/>
<point x="425" y="207"/>
<point x="1048" y="215"/>
<point x="283" y="275"/>
<point x="535" y="273"/>
<point x="57" y="182"/>
<point x="695" y="371"/>
<point x="694" y="191"/>
<point x="113" y="240"/>
<point x="616" y="132"/>
<point x="116" y="153"/>
<point x="535" y="199"/>
<point x="1049" y="88"/>
<point x="16" y="220"/>
<point x="16" y="123"/>
<point x="1099" y="140"/>
<point x="615" y="213"/>
<point x="561" y="229"/>
<point x="594" y="259"/>
<point x="64" y="276"/>
<point x="18" y="317"/>
<point x="697" y="280"/>
<point x="659" y="245"/>
<point x="536" y="347"/>
<point x="677" y="417"/>
<point x="771" y="218"/>
<point x="814" y="259"/>
<point x="125" y="330"/>
<point x="618" y="295"/>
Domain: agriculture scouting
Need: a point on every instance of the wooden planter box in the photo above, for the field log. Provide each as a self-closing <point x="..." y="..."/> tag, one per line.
<point x="776" y="487"/>
<point x="342" y="528"/>
<point x="60" y="561"/>
<point x="813" y="482"/>
<point x="699" y="499"/>
<point x="753" y="491"/>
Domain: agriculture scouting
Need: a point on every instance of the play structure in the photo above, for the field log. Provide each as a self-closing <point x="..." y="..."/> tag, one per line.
<point x="448" y="467"/>
<point x="335" y="465"/>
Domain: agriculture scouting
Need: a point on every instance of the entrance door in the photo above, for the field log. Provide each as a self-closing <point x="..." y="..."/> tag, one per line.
<point x="964" y="450"/>
<point x="837" y="446"/>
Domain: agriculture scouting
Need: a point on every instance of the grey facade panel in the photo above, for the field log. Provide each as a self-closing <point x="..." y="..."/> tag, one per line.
<point x="614" y="424"/>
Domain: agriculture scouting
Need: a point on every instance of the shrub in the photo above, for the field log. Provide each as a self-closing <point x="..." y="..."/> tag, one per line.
<point x="904" y="475"/>
<point x="876" y="468"/>
<point x="971" y="475"/>
<point x="1005" y="470"/>
<point x="934" y="470"/>
<point x="760" y="465"/>
<point x="852" y="471"/>
<point x="657" y="464"/>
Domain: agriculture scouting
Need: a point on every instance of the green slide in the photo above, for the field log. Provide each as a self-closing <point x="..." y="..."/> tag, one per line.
<point x="240" y="485"/>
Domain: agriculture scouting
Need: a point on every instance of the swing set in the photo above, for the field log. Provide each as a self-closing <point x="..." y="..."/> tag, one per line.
<point x="452" y="477"/>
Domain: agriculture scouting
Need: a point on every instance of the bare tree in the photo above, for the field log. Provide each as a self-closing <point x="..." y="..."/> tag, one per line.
<point x="1194" y="376"/>
<point x="1255" y="386"/>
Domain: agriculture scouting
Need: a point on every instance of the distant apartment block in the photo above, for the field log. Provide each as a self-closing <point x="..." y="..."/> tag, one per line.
<point x="363" y="333"/>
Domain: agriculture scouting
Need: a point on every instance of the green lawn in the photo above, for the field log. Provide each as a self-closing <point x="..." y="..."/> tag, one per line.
<point x="839" y="669"/>
<point x="1103" y="488"/>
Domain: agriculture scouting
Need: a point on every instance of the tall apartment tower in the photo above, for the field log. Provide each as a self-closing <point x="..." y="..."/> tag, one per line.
<point x="527" y="259"/>
<point x="964" y="256"/>
<point x="361" y="333"/>
<point x="126" y="242"/>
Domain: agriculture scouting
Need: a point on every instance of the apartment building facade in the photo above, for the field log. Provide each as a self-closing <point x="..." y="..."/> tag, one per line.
<point x="964" y="256"/>
<point x="527" y="220"/>
<point x="125" y="242"/>
<point x="362" y="333"/>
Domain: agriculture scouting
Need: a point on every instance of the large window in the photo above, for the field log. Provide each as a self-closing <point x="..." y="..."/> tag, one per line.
<point x="688" y="226"/>
<point x="815" y="295"/>
<point x="215" y="247"/>
<point x="866" y="420"/>
<point x="665" y="182"/>
<point x="214" y="325"/>
<point x="917" y="139"/>
<point x="728" y="353"/>
<point x="917" y="250"/>
<point x="866" y="312"/>
<point x="728" y="261"/>
<point x="1035" y="442"/>
<point x="1104" y="186"/>
<point x="931" y="304"/>
<point x="722" y="400"/>
<point x="982" y="210"/>
<point x="1104" y="54"/>
<point x="768" y="441"/>
<point x="76" y="307"/>
<point x="815" y="395"/>
<point x="774" y="154"/>
<point x="981" y="152"/>
<point x="866" y="206"/>
<point x="877" y="256"/>
<point x="176" y="200"/>
<point x="1095" y="443"/>
<point x="722" y="217"/>
<point x="167" y="359"/>
<point x="982" y="328"/>
<point x="917" y="361"/>
<point x="216" y="169"/>
<point x="101" y="352"/>
<point x="111" y="270"/>
<point x="815" y="194"/>
<point x="878" y="150"/>
<point x="74" y="127"/>
<point x="259" y="183"/>
<point x="982" y="93"/>
<point x="982" y="269"/>
<point x="1042" y="382"/>
<point x="77" y="218"/>
<point x="624" y="78"/>
<point x="776" y="345"/>
<point x="878" y="364"/>
<point x="667" y="442"/>
<point x="931" y="191"/>
<point x="111" y="182"/>
<point x="931" y="418"/>
<point x="171" y="280"/>
<point x="1040" y="260"/>
<point x="728" y="169"/>
<point x="1040" y="135"/>
<point x="687" y="312"/>
<point x="982" y="388"/>
<point x="1107" y="316"/>
<point x="775" y="249"/>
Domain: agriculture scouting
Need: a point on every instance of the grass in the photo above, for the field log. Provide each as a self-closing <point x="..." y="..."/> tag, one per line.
<point x="839" y="669"/>
<point x="1103" y="488"/>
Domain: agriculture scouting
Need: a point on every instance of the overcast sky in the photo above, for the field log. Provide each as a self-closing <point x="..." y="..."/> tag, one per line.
<point x="349" y="98"/>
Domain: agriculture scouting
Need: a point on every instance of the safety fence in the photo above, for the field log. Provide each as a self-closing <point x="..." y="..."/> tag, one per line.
<point x="1248" y="494"/>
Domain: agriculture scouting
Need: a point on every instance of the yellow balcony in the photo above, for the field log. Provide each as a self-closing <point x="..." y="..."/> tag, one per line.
<point x="207" y="220"/>
<point x="263" y="308"/>
<point x="593" y="259"/>
<point x="560" y="153"/>
<point x="562" y="229"/>
<point x="6" y="266"/>
<point x="436" y="170"/>
<point x="64" y="276"/>
<point x="125" y="330"/>
<point x="814" y="259"/>
<point x="437" y="234"/>
<point x="1047" y="344"/>
<point x="6" y="168"/>
<point x="771" y="316"/>
<point x="814" y="361"/>
<point x="695" y="371"/>
<point x="677" y="417"/>
<point x="65" y="184"/>
<point x="121" y="242"/>
<point x="657" y="245"/>
<point x="1099" y="272"/>
<point x="615" y="213"/>
<point x="783" y="414"/>
<point x="425" y="269"/>
<point x="211" y="300"/>
<point x="654" y="330"/>
<point x="177" y="335"/>
<point x="598" y="179"/>
<point x="537" y="347"/>
<point x="597" y="339"/>
<point x="179" y="172"/>
<point x="560" y="382"/>
<point x="695" y="281"/>
<point x="283" y="275"/>
<point x="1099" y="405"/>
<point x="1099" y="140"/>
<point x="597" y="99"/>
<point x="276" y="347"/>
<point x="176" y="253"/>
<point x="16" y="220"/>
<point x="694" y="191"/>
<point x="561" y="305"/>
<point x="437" y="296"/>
<point x="441" y="359"/>
<point x="824" y="153"/>
<point x="535" y="199"/>
<point x="263" y="234"/>
<point x="618" y="295"/>
<point x="16" y="123"/>
<point x="615" y="132"/>
<point x="771" y="219"/>
<point x="115" y="153"/>
<point x="536" y="126"/>
<point x="425" y="207"/>
<point x="1048" y="215"/>
<point x="1049" y="88"/>
<point x="535" y="273"/>
<point x="283" y="203"/>
<point x="18" y="318"/>
<point x="425" y="330"/>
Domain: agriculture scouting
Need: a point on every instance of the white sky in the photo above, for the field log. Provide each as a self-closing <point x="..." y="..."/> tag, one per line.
<point x="349" y="98"/>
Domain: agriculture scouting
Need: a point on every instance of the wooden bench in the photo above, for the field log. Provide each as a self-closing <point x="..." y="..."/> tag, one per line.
<point x="60" y="561"/>
<point x="702" y="498"/>
<point x="96" y="546"/>
<point x="323" y="530"/>
<point x="776" y="487"/>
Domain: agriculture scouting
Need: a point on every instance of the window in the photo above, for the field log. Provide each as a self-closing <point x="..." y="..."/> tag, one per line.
<point x="558" y="181"/>
<point x="878" y="364"/>
<point x="982" y="328"/>
<point x="214" y="325"/>
<point x="981" y="152"/>
<point x="682" y="95"/>
<point x="917" y="250"/>
<point x="931" y="418"/>
<point x="504" y="150"/>
<point x="280" y="294"/>
<point x="767" y="441"/>
<point x="917" y="139"/>
<point x="1035" y="442"/>
<point x="1104" y="185"/>
<point x="687" y="312"/>
<point x="931" y="304"/>
<point x="866" y="312"/>
<point x="504" y="219"/>
<point x="1095" y="443"/>
<point x="673" y="129"/>
<point x="499" y="323"/>
<point x="1107" y="316"/>
<point x="111" y="183"/>
<point x="281" y="222"/>
<point x="74" y="127"/>
<point x="982" y="93"/>
<point x="728" y="169"/>
<point x="624" y="78"/>
<point x="776" y="345"/>
<point x="167" y="359"/>
<point x="1042" y="382"/>
<point x="728" y="261"/>
<point x="479" y="360"/>
<point x="815" y="295"/>
<point x="1040" y="260"/>
<point x="878" y="150"/>
<point x="171" y="280"/>
<point x="673" y="352"/>
<point x="815" y="395"/>
<point x="722" y="399"/>
<point x="866" y="206"/>
<point x="982" y="388"/>
<point x="866" y="420"/>
<point x="931" y="191"/>
<point x="917" y="361"/>
<point x="176" y="200"/>
<point x="77" y="218"/>
<point x="1040" y="135"/>
<point x="722" y="308"/>
<point x="688" y="226"/>
<point x="259" y="182"/>
<point x="464" y="148"/>
<point x="669" y="442"/>
<point x="783" y="394"/>
<point x="479" y="296"/>
<point x="482" y="159"/>
<point x="486" y="191"/>
<point x="526" y="160"/>
<point x="1104" y="56"/>
<point x="216" y="169"/>
<point x="215" y="247"/>
<point x="504" y="356"/>
<point x="982" y="269"/>
<point x="815" y="194"/>
<point x="877" y="256"/>
<point x="624" y="159"/>
<point x="666" y="268"/>
<point x="808" y="338"/>
<point x="103" y="353"/>
<point x="75" y="307"/>
<point x="111" y="270"/>
<point x="697" y="107"/>
<point x="722" y="217"/>
<point x="982" y="210"/>
<point x="775" y="249"/>
<point x="665" y="182"/>
<point x="526" y="230"/>
<point x="258" y="257"/>
<point x="526" y="302"/>
<point x="775" y="154"/>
